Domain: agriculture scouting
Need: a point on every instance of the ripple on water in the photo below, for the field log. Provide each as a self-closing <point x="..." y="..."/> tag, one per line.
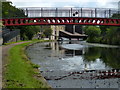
<point x="73" y="46"/>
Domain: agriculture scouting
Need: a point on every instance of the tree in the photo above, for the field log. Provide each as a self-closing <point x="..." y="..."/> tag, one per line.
<point x="93" y="33"/>
<point x="111" y="34"/>
<point x="27" y="32"/>
<point x="47" y="32"/>
<point x="9" y="11"/>
<point x="116" y="16"/>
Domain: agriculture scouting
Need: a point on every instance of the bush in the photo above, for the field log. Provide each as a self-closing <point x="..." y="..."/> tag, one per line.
<point x="93" y="33"/>
<point x="94" y="40"/>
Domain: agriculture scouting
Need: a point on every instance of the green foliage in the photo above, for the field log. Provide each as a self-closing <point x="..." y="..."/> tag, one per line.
<point x="42" y="35"/>
<point x="112" y="35"/>
<point x="35" y="65"/>
<point x="27" y="32"/>
<point x="0" y="11"/>
<point x="104" y="34"/>
<point x="116" y="16"/>
<point x="103" y="30"/>
<point x="93" y="33"/>
<point x="9" y="11"/>
<point x="47" y="32"/>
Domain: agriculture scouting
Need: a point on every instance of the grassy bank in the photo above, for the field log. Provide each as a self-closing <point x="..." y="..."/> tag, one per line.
<point x="20" y="72"/>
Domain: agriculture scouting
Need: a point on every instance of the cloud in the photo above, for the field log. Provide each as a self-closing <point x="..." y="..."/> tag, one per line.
<point x="108" y="3"/>
<point x="68" y="6"/>
<point x="32" y="4"/>
<point x="51" y="1"/>
<point x="66" y="3"/>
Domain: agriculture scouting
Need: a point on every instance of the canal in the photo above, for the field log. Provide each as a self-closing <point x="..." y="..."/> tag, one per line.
<point x="77" y="64"/>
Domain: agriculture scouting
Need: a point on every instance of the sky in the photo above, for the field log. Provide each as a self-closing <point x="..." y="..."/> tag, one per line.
<point x="66" y="3"/>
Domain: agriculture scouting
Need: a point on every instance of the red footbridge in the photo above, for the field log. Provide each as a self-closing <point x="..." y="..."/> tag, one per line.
<point x="65" y="16"/>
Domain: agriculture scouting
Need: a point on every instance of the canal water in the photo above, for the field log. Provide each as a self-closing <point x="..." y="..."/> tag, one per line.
<point x="77" y="64"/>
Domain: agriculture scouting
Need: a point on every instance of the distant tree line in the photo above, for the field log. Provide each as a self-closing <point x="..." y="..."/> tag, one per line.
<point x="104" y="34"/>
<point x="26" y="32"/>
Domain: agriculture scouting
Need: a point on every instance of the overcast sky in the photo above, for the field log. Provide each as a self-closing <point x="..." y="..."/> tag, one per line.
<point x="66" y="3"/>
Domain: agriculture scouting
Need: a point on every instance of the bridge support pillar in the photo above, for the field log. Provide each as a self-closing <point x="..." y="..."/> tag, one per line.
<point x="69" y="28"/>
<point x="69" y="38"/>
<point x="74" y="28"/>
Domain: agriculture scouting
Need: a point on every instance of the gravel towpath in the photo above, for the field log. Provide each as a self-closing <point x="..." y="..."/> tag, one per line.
<point x="3" y="57"/>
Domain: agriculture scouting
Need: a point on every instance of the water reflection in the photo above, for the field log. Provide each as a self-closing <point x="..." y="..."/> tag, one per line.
<point x="73" y="52"/>
<point x="109" y="56"/>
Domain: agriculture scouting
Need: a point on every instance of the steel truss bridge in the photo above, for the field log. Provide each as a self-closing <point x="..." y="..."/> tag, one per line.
<point x="64" y="16"/>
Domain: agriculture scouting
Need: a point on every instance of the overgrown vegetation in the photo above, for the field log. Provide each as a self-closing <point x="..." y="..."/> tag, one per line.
<point x="47" y="32"/>
<point x="93" y="33"/>
<point x="104" y="34"/>
<point x="111" y="36"/>
<point x="26" y="32"/>
<point x="20" y="72"/>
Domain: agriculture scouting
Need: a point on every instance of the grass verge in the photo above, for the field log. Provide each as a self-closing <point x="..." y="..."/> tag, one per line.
<point x="20" y="72"/>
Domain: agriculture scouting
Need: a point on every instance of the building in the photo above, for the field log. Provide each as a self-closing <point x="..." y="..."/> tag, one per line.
<point x="55" y="31"/>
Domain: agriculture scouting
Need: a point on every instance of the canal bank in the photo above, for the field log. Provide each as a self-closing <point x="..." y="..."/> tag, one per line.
<point x="18" y="71"/>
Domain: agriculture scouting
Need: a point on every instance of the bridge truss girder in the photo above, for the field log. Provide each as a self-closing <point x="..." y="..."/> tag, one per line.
<point x="61" y="21"/>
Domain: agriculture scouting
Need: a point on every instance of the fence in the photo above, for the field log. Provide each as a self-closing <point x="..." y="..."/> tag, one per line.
<point x="12" y="35"/>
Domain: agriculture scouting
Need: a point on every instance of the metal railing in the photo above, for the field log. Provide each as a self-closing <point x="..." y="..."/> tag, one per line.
<point x="70" y="12"/>
<point x="8" y="35"/>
